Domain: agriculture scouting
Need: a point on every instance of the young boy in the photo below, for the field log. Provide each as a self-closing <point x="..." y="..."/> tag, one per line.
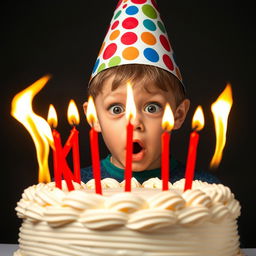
<point x="135" y="50"/>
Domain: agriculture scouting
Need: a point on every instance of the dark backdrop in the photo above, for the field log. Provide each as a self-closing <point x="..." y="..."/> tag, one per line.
<point x="214" y="44"/>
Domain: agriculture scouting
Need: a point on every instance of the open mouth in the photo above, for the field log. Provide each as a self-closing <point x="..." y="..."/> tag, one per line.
<point x="136" y="148"/>
<point x="138" y="151"/>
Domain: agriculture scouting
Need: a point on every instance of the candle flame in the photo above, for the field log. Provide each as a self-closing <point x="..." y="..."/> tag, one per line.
<point x="198" y="119"/>
<point x="168" y="119"/>
<point x="130" y="112"/>
<point x="37" y="126"/>
<point x="73" y="115"/>
<point x="52" y="117"/>
<point x="91" y="114"/>
<point x="220" y="109"/>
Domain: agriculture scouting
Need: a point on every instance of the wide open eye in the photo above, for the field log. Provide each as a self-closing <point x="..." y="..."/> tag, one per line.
<point x="153" y="108"/>
<point x="116" y="109"/>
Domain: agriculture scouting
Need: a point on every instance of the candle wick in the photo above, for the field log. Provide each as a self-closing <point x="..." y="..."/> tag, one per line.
<point x="52" y="126"/>
<point x="92" y="124"/>
<point x="195" y="129"/>
<point x="74" y="125"/>
<point x="166" y="130"/>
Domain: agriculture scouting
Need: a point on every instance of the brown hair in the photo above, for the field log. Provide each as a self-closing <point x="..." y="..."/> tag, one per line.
<point x="144" y="74"/>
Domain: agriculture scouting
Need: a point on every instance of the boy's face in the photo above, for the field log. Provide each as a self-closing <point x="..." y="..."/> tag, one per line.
<point x="110" y="106"/>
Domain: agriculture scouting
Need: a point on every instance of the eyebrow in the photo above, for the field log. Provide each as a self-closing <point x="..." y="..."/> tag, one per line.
<point x="122" y="94"/>
<point x="116" y="95"/>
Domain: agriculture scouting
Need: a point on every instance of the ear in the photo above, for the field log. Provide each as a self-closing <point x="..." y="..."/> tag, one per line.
<point x="181" y="113"/>
<point x="96" y="125"/>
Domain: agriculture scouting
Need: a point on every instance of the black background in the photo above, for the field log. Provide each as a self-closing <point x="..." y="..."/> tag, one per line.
<point x="214" y="43"/>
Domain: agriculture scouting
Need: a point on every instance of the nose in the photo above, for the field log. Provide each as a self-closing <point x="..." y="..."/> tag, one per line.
<point x="138" y="123"/>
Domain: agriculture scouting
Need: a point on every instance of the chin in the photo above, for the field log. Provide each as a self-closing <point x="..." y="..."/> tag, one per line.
<point x="139" y="168"/>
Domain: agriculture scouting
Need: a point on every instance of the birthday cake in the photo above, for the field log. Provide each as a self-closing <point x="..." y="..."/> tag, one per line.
<point x="147" y="221"/>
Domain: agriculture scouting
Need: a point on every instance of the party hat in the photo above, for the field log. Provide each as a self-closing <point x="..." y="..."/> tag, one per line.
<point x="136" y="35"/>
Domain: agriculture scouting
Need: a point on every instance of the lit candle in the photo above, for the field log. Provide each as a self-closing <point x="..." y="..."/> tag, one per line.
<point x="72" y="141"/>
<point x="53" y="121"/>
<point x="167" y="125"/>
<point x="130" y="114"/>
<point x="197" y="125"/>
<point x="91" y="116"/>
<point x="59" y="161"/>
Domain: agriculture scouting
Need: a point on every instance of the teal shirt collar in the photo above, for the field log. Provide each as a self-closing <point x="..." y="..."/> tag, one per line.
<point x="118" y="173"/>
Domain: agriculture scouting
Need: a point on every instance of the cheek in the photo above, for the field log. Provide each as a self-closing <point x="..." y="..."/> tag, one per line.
<point x="113" y="134"/>
<point x="154" y="135"/>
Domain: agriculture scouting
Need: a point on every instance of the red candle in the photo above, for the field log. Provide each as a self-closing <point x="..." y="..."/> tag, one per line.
<point x="95" y="160"/>
<point x="67" y="173"/>
<point x="56" y="158"/>
<point x="165" y="160"/>
<point x="56" y="147"/>
<point x="91" y="116"/>
<point x="129" y="151"/>
<point x="73" y="143"/>
<point x="191" y="160"/>
<point x="197" y="124"/>
<point x="167" y="125"/>
<point x="59" y="154"/>
<point x="60" y="164"/>
<point x="130" y="115"/>
<point x="76" y="155"/>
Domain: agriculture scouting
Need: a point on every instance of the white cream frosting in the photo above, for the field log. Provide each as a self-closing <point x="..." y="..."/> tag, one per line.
<point x="155" y="183"/>
<point x="146" y="221"/>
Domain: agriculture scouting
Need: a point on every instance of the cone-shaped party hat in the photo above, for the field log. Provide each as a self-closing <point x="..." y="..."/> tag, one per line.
<point x="136" y="35"/>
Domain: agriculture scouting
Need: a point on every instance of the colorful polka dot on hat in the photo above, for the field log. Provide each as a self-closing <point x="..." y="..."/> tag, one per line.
<point x="136" y="35"/>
